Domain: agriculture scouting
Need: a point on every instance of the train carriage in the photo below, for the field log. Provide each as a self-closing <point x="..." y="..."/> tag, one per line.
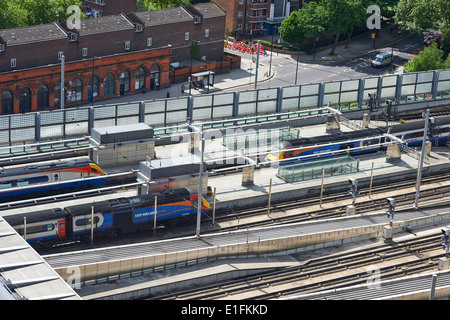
<point x="20" y="182"/>
<point x="40" y="226"/>
<point x="321" y="146"/>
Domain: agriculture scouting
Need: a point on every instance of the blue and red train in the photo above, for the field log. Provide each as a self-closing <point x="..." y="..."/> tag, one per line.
<point x="114" y="216"/>
<point x="20" y="182"/>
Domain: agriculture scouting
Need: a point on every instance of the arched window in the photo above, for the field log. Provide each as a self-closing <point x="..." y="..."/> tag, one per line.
<point x="140" y="79"/>
<point x="124" y="82"/>
<point x="25" y="100"/>
<point x="94" y="89"/>
<point x="43" y="97"/>
<point x="7" y="103"/>
<point x="110" y="85"/>
<point x="155" y="76"/>
<point x="77" y="90"/>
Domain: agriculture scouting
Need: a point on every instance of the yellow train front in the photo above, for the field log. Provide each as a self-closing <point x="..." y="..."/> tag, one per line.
<point x="46" y="178"/>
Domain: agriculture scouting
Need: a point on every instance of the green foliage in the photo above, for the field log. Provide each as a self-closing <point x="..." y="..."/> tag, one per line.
<point x="321" y="16"/>
<point x="431" y="58"/>
<point x="445" y="40"/>
<point x="164" y="4"/>
<point x="194" y="50"/>
<point x="291" y="29"/>
<point x="420" y="15"/>
<point x="21" y="13"/>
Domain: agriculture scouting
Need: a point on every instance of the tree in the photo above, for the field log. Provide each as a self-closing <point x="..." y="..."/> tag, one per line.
<point x="194" y="50"/>
<point x="312" y="19"/>
<point x="430" y="58"/>
<point x="420" y="15"/>
<point x="291" y="30"/>
<point x="342" y="16"/>
<point x="164" y="4"/>
<point x="23" y="13"/>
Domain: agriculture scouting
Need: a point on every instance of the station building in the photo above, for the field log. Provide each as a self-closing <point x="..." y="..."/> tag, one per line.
<point x="105" y="57"/>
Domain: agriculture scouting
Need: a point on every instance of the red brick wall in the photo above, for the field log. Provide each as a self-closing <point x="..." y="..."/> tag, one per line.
<point x="116" y="64"/>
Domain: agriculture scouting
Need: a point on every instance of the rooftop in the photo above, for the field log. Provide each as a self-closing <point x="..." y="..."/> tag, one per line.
<point x="105" y="24"/>
<point x="44" y="32"/>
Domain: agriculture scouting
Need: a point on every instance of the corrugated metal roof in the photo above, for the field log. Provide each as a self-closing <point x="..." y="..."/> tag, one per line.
<point x="24" y="274"/>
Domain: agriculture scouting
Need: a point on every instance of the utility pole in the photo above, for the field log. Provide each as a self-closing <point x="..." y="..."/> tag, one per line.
<point x="63" y="98"/>
<point x="257" y="66"/>
<point x="422" y="155"/>
<point x="200" y="183"/>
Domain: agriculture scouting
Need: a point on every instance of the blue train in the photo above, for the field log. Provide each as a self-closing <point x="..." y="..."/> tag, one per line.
<point x="20" y="182"/>
<point x="411" y="133"/>
<point x="115" y="216"/>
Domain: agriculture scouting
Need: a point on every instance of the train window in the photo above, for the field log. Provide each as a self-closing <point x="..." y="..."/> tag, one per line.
<point x="86" y="221"/>
<point x="5" y="184"/>
<point x="22" y="182"/>
<point x="37" y="229"/>
<point x="40" y="179"/>
<point x="93" y="169"/>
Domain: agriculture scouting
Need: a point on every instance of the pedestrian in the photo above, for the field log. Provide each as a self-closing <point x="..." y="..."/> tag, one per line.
<point x="182" y="89"/>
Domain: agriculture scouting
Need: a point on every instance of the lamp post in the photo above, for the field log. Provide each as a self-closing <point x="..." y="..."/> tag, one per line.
<point x="63" y="61"/>
<point x="298" y="56"/>
<point x="191" y="54"/>
<point x="422" y="155"/>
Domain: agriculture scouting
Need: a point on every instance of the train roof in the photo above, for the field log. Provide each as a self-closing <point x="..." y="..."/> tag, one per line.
<point x="419" y="124"/>
<point x="43" y="167"/>
<point x="34" y="216"/>
<point x="337" y="136"/>
<point x="352" y="135"/>
<point x="123" y="203"/>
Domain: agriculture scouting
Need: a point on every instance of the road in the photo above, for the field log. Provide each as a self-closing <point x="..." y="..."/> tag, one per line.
<point x="313" y="72"/>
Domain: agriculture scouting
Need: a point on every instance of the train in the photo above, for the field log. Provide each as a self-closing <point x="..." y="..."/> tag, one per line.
<point x="20" y="182"/>
<point x="366" y="141"/>
<point x="111" y="217"/>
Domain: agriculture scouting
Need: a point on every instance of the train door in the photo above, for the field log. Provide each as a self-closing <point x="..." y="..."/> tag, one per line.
<point x="194" y="206"/>
<point x="123" y="221"/>
<point x="61" y="228"/>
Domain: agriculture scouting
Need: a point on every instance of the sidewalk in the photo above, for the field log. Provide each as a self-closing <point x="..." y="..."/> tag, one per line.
<point x="244" y="78"/>
<point x="360" y="45"/>
<point x="235" y="78"/>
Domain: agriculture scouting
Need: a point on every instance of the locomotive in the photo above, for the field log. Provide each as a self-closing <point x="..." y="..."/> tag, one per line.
<point x="20" y="182"/>
<point x="366" y="141"/>
<point x="114" y="216"/>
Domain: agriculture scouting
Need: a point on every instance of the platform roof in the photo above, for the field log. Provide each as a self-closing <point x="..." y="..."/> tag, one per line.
<point x="24" y="274"/>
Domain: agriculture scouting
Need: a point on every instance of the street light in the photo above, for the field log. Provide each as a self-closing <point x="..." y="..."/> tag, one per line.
<point x="190" y="77"/>
<point x="298" y="56"/>
<point x="422" y="155"/>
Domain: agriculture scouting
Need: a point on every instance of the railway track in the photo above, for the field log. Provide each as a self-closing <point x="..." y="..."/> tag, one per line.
<point x="334" y="271"/>
<point x="237" y="218"/>
<point x="282" y="213"/>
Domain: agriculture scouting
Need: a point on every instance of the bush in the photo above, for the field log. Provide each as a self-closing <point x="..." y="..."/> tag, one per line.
<point x="430" y="58"/>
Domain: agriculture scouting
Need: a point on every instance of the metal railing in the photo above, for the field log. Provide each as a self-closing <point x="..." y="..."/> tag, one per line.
<point x="268" y="104"/>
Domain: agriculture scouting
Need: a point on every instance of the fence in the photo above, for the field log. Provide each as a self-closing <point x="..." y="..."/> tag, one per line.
<point x="166" y="113"/>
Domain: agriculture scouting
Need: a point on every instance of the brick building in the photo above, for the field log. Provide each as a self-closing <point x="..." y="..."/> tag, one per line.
<point x="246" y="17"/>
<point x="108" y="56"/>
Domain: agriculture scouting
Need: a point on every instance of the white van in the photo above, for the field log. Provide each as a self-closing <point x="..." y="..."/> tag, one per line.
<point x="382" y="59"/>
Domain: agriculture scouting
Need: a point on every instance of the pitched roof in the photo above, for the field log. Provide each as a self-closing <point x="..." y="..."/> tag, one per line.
<point x="43" y="32"/>
<point x="105" y="24"/>
<point x="165" y="16"/>
<point x="209" y="9"/>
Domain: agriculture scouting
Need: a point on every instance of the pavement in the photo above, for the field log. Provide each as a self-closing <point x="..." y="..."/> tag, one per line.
<point x="244" y="78"/>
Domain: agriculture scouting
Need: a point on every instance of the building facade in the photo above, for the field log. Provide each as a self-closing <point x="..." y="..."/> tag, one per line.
<point x="105" y="57"/>
<point x="256" y="17"/>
